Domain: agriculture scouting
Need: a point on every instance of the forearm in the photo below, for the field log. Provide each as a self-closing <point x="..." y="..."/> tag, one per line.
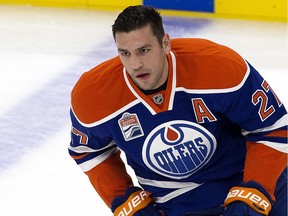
<point x="264" y="165"/>
<point x="110" y="178"/>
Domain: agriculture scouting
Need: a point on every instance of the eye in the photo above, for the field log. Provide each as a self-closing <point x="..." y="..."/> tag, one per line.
<point x="143" y="50"/>
<point x="124" y="53"/>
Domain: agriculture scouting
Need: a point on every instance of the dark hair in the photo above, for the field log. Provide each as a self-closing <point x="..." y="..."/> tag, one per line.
<point x="138" y="16"/>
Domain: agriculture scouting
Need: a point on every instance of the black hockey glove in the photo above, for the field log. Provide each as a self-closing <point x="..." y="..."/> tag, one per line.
<point x="250" y="199"/>
<point x="135" y="202"/>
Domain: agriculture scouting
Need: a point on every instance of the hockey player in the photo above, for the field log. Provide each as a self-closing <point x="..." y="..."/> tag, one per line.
<point x="203" y="131"/>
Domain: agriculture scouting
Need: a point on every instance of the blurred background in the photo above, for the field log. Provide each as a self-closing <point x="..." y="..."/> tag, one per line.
<point x="46" y="45"/>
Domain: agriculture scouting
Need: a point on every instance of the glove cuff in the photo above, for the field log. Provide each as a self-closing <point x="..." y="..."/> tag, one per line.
<point x="136" y="201"/>
<point x="252" y="197"/>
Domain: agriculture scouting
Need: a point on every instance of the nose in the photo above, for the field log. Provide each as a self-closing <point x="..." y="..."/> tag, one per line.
<point x="135" y="62"/>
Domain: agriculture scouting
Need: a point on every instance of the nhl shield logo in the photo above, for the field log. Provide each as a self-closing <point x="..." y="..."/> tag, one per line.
<point x="130" y="126"/>
<point x="158" y="99"/>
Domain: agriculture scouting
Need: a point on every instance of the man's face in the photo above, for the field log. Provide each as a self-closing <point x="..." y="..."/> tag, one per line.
<point x="143" y="57"/>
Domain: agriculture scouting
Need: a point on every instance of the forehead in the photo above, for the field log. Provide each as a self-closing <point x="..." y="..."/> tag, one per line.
<point x="136" y="38"/>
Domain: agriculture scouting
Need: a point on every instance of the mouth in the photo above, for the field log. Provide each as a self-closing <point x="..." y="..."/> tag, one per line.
<point x="142" y="76"/>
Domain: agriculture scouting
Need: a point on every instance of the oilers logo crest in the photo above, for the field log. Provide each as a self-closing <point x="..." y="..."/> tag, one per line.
<point x="178" y="149"/>
<point x="130" y="126"/>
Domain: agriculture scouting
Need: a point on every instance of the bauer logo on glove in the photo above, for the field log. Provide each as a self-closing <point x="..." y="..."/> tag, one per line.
<point x="135" y="202"/>
<point x="252" y="197"/>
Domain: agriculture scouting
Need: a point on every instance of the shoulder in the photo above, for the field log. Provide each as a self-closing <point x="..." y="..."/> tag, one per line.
<point x="99" y="74"/>
<point x="100" y="92"/>
<point x="198" y="46"/>
<point x="212" y="65"/>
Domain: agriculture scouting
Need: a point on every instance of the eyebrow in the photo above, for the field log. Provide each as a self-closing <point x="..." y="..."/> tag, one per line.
<point x="142" y="47"/>
<point x="122" y="50"/>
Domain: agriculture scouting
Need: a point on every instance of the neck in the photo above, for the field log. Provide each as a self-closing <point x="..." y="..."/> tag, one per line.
<point x="153" y="91"/>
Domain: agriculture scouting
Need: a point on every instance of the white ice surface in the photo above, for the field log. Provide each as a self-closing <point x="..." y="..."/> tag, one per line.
<point x="39" y="47"/>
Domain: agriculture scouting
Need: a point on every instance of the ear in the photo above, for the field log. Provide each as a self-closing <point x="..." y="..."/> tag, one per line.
<point x="166" y="43"/>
